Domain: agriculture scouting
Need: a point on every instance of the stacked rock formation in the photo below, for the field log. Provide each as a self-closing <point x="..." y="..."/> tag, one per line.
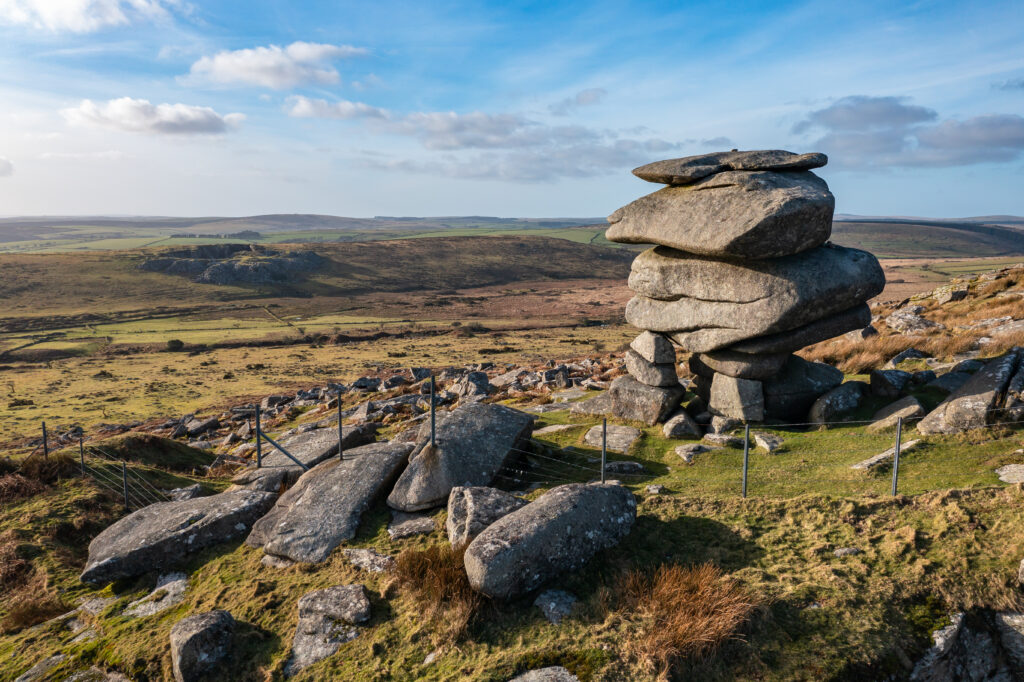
<point x="742" y="276"/>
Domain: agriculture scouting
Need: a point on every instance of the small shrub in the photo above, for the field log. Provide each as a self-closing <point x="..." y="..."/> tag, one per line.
<point x="686" y="612"/>
<point x="175" y="345"/>
<point x="15" y="487"/>
<point x="436" y="580"/>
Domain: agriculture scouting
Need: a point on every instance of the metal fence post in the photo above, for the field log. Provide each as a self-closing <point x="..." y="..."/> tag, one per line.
<point x="896" y="455"/>
<point x="259" y="440"/>
<point x="604" y="445"/>
<point x="341" y="446"/>
<point x="46" y="442"/>
<point x="746" y="455"/>
<point x="124" y="484"/>
<point x="81" y="454"/>
<point x="433" y="428"/>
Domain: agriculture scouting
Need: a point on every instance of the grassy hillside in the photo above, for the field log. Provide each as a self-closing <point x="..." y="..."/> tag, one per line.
<point x="903" y="239"/>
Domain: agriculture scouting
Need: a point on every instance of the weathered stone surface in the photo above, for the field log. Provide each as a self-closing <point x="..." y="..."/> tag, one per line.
<point x="649" y="373"/>
<point x="405" y="525"/>
<point x="689" y="451"/>
<point x="620" y="438"/>
<point x="949" y="382"/>
<point x="96" y="675"/>
<point x="164" y="534"/>
<point x="324" y="507"/>
<point x="554" y="428"/>
<point x="736" y="398"/>
<point x="310" y="448"/>
<point x="681" y="425"/>
<point x="734" y="214"/>
<point x="969" y="407"/>
<point x="1011" y="473"/>
<point x="908" y="354"/>
<point x="473" y="442"/>
<point x="769" y="442"/>
<point x="979" y="645"/>
<point x="40" y="671"/>
<point x="887" y="417"/>
<point x="325" y="623"/>
<point x="1013" y="403"/>
<point x="200" y="643"/>
<point x="639" y="402"/>
<point x="809" y="334"/>
<point x="884" y="457"/>
<point x="790" y="395"/>
<point x="555" y="604"/>
<point x="689" y="169"/>
<point x="836" y="402"/>
<point x="169" y="591"/>
<point x="556" y="533"/>
<point x="654" y="348"/>
<point x="711" y="303"/>
<point x="846" y="551"/>
<point x="720" y="424"/>
<point x="739" y="365"/>
<point x="861" y="334"/>
<point x="555" y="673"/>
<point x="722" y="440"/>
<point x="369" y="560"/>
<point x="907" y="322"/>
<point x="888" y="383"/>
<point x="944" y="295"/>
<point x="472" y="509"/>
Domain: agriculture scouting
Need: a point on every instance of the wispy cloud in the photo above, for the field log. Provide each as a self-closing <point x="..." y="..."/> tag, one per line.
<point x="865" y="132"/>
<point x="1012" y="84"/>
<point x="80" y="16"/>
<point x="139" y="116"/>
<point x="6" y="167"/>
<point x="583" y="98"/>
<point x="275" y="67"/>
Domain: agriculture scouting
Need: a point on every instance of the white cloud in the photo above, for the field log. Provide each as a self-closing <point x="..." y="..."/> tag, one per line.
<point x="79" y="16"/>
<point x="275" y="67"/>
<point x="867" y="132"/>
<point x="6" y="167"/>
<point x="139" y="116"/>
<point x="583" y="98"/>
<point x="108" y="155"/>
<point x="305" y="107"/>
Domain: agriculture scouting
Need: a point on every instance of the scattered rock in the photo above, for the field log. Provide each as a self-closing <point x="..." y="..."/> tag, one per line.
<point x="472" y="509"/>
<point x="167" y="533"/>
<point x="846" y="551"/>
<point x="555" y="673"/>
<point x="169" y="591"/>
<point x="405" y="525"/>
<point x="369" y="560"/>
<point x="839" y="401"/>
<point x="722" y="440"/>
<point x="907" y="322"/>
<point x="1011" y="473"/>
<point x="554" y="428"/>
<point x="886" y="418"/>
<point x="620" y="438"/>
<point x="473" y="442"/>
<point x="625" y="467"/>
<point x="556" y="533"/>
<point x="949" y="382"/>
<point x="769" y="442"/>
<point x="324" y="507"/>
<point x="200" y="643"/>
<point x="555" y="604"/>
<point x="681" y="425"/>
<point x="688" y="452"/>
<point x="325" y="623"/>
<point x="635" y="401"/>
<point x="971" y="405"/>
<point x="40" y="671"/>
<point x="888" y="383"/>
<point x="883" y="457"/>
<point x="654" y="489"/>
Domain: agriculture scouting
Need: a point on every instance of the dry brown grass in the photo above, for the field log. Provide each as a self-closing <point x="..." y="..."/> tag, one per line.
<point x="49" y="469"/>
<point x="31" y="603"/>
<point x="15" y="487"/>
<point x="436" y="580"/>
<point x="13" y="569"/>
<point x="687" y="612"/>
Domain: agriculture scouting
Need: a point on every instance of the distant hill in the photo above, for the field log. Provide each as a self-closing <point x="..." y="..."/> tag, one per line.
<point x="908" y="238"/>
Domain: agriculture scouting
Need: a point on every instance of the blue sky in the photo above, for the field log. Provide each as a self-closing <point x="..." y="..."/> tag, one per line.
<point x="169" y="107"/>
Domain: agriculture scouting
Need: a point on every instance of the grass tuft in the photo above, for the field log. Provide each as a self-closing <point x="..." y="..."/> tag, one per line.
<point x="436" y="580"/>
<point x="16" y="487"/>
<point x="687" y="612"/>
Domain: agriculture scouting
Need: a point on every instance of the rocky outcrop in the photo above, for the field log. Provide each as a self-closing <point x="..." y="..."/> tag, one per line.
<point x="327" y="619"/>
<point x="324" y="507"/>
<point x="239" y="264"/>
<point x="973" y="405"/>
<point x="472" y="443"/>
<point x="977" y="645"/>
<point x="886" y="418"/>
<point x="165" y="534"/>
<point x="556" y="533"/>
<point x="200" y="643"/>
<point x="836" y="402"/>
<point x="472" y="509"/>
<point x="742" y="278"/>
<point x="637" y="401"/>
